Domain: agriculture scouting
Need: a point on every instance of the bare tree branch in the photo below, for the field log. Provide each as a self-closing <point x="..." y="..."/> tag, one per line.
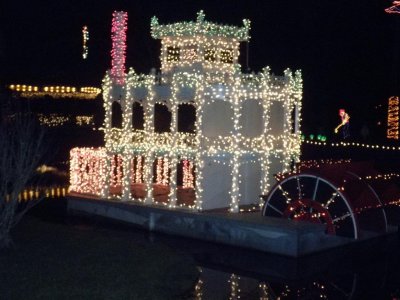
<point x="22" y="147"/>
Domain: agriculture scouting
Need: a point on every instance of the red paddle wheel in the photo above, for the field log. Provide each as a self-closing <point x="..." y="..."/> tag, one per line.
<point x="336" y="195"/>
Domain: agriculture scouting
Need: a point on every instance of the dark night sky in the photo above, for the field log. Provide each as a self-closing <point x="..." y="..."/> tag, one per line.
<point x="348" y="50"/>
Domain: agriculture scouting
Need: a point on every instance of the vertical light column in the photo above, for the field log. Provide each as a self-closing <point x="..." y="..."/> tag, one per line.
<point x="199" y="155"/>
<point x="116" y="83"/>
<point x="148" y="108"/>
<point x="118" y="52"/>
<point x="173" y="156"/>
<point x="126" y="180"/>
<point x="126" y="107"/>
<point x="235" y="159"/>
<point x="148" y="178"/>
<point x="75" y="174"/>
<point x="105" y="191"/>
<point x="173" y="162"/>
<point x="187" y="170"/>
<point x="297" y="96"/>
<point x="287" y="97"/>
<point x="107" y="101"/>
<point x="267" y="146"/>
<point x="296" y="119"/>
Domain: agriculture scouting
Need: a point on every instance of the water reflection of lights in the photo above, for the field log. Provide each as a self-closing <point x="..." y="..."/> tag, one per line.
<point x="52" y="120"/>
<point x="213" y="284"/>
<point x="235" y="288"/>
<point x="47" y="192"/>
<point x="84" y="120"/>
<point x="198" y="291"/>
<point x="56" y="120"/>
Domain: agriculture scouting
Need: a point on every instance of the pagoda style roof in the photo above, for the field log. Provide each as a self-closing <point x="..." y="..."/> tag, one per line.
<point x="200" y="27"/>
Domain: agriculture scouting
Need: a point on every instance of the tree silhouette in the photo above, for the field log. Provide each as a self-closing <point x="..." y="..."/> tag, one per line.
<point x="22" y="147"/>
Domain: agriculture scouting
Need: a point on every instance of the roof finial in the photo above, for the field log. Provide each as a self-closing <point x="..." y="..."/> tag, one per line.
<point x="200" y="16"/>
<point x="154" y="21"/>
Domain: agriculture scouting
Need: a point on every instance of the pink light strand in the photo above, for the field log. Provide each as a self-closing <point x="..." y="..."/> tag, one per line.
<point x="118" y="52"/>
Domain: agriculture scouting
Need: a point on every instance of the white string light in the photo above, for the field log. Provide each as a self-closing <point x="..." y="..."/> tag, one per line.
<point x="203" y="57"/>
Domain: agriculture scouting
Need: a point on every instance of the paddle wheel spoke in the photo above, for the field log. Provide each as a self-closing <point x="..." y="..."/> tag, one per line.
<point x="285" y="194"/>
<point x="330" y="200"/>
<point x="275" y="209"/>
<point x="315" y="189"/>
<point x="299" y="188"/>
<point x="341" y="218"/>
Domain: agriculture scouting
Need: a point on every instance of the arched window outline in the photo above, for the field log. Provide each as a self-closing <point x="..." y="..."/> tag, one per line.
<point x="187" y="117"/>
<point x="162" y="118"/>
<point x="116" y="115"/>
<point x="137" y="116"/>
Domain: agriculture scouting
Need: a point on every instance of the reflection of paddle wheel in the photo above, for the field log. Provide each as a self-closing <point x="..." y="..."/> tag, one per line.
<point x="343" y="288"/>
<point x="341" y="284"/>
<point x="334" y="195"/>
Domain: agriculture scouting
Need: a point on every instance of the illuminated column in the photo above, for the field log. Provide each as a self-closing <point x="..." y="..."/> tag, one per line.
<point x="148" y="110"/>
<point x="235" y="184"/>
<point x="107" y="101"/>
<point x="174" y="119"/>
<point x="163" y="58"/>
<point x="187" y="173"/>
<point x="173" y="157"/>
<point x="286" y="136"/>
<point x="75" y="174"/>
<point x="266" y="105"/>
<point x="105" y="191"/>
<point x="199" y="156"/>
<point x="235" y="159"/>
<point x="127" y="107"/>
<point x="118" y="37"/>
<point x="172" y="185"/>
<point x="159" y="170"/>
<point x="126" y="180"/>
<point x="265" y="164"/>
<point x="139" y="169"/>
<point x="148" y="177"/>
<point x="296" y="119"/>
<point x="297" y="96"/>
<point x="287" y="124"/>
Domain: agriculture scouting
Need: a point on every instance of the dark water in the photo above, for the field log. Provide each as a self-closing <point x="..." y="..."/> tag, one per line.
<point x="370" y="272"/>
<point x="231" y="273"/>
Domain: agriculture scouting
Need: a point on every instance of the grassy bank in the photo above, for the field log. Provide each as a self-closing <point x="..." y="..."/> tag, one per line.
<point x="58" y="261"/>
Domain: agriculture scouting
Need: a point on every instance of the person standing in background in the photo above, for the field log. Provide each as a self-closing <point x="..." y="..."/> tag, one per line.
<point x="345" y="124"/>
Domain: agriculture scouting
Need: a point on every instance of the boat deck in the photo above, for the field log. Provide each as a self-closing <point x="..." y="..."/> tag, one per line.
<point x="247" y="230"/>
